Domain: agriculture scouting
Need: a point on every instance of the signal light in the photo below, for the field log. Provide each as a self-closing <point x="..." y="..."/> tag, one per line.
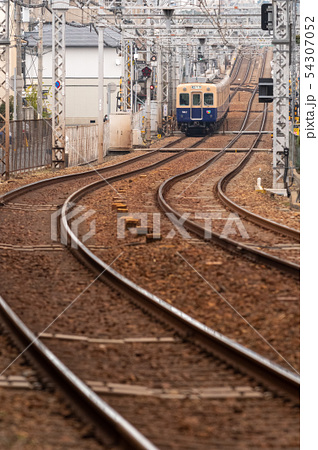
<point x="146" y="71"/>
<point x="266" y="90"/>
<point x="267" y="16"/>
<point x="152" y="87"/>
<point x="153" y="58"/>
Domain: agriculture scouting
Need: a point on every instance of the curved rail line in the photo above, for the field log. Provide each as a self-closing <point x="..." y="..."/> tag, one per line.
<point x="270" y="374"/>
<point x="229" y="244"/>
<point x="248" y="361"/>
<point x="64" y="178"/>
<point x="259" y="220"/>
<point x="103" y="418"/>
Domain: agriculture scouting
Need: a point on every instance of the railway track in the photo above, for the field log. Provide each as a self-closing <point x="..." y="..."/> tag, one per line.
<point x="26" y="206"/>
<point x="235" y="386"/>
<point x="153" y="303"/>
<point x="243" y="81"/>
<point x="228" y="390"/>
<point x="165" y="291"/>
<point x="230" y="244"/>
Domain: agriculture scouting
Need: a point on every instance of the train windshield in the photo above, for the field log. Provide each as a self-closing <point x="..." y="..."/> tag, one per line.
<point x="184" y="100"/>
<point x="208" y="99"/>
<point x="196" y="99"/>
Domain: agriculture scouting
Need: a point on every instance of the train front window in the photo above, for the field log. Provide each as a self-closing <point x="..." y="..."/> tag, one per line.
<point x="184" y="100"/>
<point x="208" y="99"/>
<point x="196" y="99"/>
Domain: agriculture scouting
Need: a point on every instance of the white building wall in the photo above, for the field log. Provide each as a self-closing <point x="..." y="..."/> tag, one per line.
<point x="79" y="63"/>
<point x="81" y="88"/>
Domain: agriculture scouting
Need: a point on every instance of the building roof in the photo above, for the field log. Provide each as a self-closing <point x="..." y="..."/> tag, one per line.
<point x="74" y="36"/>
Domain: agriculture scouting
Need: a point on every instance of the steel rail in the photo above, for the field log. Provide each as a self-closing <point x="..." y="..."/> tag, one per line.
<point x="268" y="373"/>
<point x="236" y="67"/>
<point x="252" y="217"/>
<point x="72" y="176"/>
<point x="245" y="78"/>
<point x="229" y="244"/>
<point x="96" y="411"/>
<point x="63" y="178"/>
<point x="265" y="371"/>
<point x="105" y="419"/>
<point x="239" y="248"/>
<point x="100" y="183"/>
<point x="255" y="218"/>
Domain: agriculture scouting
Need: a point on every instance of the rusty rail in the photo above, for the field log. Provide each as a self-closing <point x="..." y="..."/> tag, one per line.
<point x="268" y="373"/>
<point x="229" y="244"/>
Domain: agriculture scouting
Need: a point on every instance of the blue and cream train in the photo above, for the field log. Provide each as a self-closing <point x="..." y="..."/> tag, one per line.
<point x="202" y="106"/>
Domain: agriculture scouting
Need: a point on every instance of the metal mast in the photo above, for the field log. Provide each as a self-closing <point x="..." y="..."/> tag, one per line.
<point x="4" y="85"/>
<point x="58" y="83"/>
<point x="281" y="41"/>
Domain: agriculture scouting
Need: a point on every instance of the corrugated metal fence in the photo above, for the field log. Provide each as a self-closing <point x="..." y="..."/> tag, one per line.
<point x="30" y="145"/>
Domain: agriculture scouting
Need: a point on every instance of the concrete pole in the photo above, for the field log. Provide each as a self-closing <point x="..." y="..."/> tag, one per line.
<point x="175" y="69"/>
<point x="148" y="92"/>
<point x="15" y="93"/>
<point x="7" y="121"/>
<point x="19" y="62"/>
<point x="170" y="88"/>
<point x="159" y="90"/>
<point x="148" y="101"/>
<point x="100" y="94"/>
<point x="40" y="67"/>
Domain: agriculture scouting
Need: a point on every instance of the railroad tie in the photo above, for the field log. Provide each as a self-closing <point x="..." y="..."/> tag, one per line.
<point x="222" y="392"/>
<point x="15" y="382"/>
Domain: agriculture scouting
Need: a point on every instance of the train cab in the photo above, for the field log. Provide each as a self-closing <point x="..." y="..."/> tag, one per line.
<point x="200" y="106"/>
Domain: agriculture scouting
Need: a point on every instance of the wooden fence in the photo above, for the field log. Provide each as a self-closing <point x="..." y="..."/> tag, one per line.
<point x="31" y="145"/>
<point x="82" y="143"/>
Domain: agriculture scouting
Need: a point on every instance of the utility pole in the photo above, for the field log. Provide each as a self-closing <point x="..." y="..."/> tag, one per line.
<point x="100" y="93"/>
<point x="168" y="12"/>
<point x="188" y="29"/>
<point x="58" y="83"/>
<point x="19" y="82"/>
<point x="4" y="87"/>
<point x="40" y="67"/>
<point x="148" y="93"/>
<point x="159" y="89"/>
<point x="175" y="69"/>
